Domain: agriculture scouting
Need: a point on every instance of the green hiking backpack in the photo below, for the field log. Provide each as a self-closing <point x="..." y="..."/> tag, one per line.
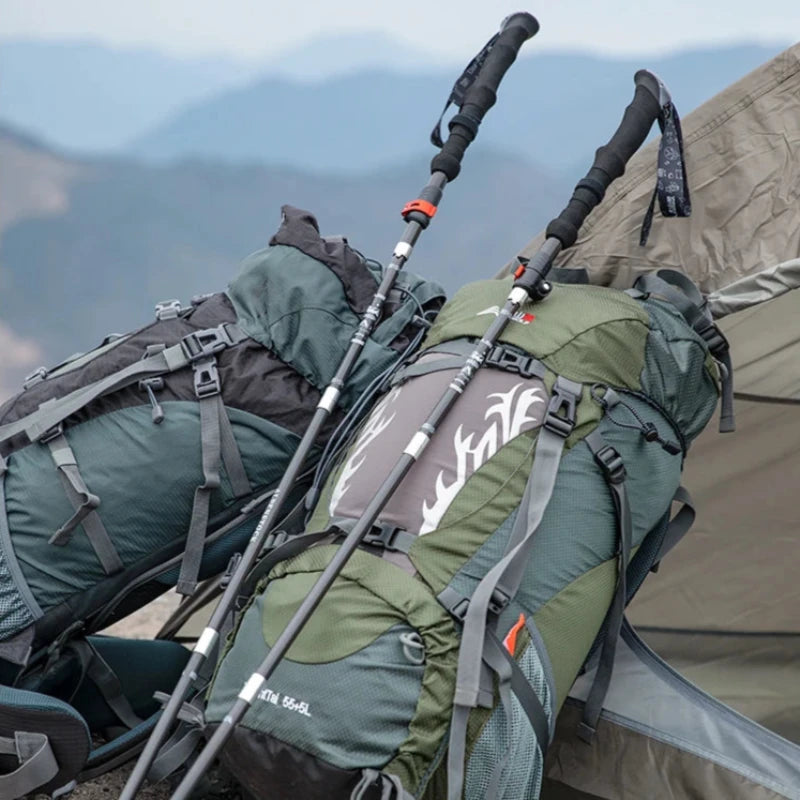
<point x="436" y="664"/>
<point x="146" y="463"/>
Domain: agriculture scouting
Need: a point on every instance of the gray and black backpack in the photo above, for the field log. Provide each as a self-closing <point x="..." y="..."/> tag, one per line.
<point x="144" y="465"/>
<point x="436" y="664"/>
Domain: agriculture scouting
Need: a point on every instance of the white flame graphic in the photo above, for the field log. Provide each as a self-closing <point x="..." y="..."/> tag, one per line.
<point x="374" y="427"/>
<point x="511" y="412"/>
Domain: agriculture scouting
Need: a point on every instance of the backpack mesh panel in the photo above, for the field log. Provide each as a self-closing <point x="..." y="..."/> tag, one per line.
<point x="522" y="775"/>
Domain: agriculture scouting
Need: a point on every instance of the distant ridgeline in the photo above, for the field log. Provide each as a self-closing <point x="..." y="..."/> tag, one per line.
<point x="88" y="244"/>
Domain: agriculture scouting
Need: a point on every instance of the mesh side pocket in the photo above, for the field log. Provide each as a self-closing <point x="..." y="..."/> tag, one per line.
<point x="522" y="774"/>
<point x="14" y="613"/>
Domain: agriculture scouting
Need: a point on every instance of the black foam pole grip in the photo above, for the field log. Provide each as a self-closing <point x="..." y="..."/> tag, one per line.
<point x="610" y="160"/>
<point x="482" y="95"/>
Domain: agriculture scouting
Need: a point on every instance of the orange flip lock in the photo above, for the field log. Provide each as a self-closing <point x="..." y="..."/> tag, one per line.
<point x="428" y="209"/>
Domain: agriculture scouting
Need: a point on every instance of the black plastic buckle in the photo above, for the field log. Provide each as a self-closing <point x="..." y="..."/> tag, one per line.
<point x="206" y="378"/>
<point x="206" y="343"/>
<point x="714" y="338"/>
<point x="554" y="421"/>
<point x="612" y="465"/>
<point x="383" y="536"/>
<point x="518" y="363"/>
<point x="497" y="604"/>
<point x="233" y="565"/>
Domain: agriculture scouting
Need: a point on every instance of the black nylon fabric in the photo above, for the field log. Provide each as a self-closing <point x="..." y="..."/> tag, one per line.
<point x="267" y="767"/>
<point x="252" y="378"/>
<point x="300" y="229"/>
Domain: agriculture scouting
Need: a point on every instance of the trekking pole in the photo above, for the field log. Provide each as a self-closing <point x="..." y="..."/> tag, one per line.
<point x="530" y="283"/>
<point x="481" y="79"/>
<point x="475" y="93"/>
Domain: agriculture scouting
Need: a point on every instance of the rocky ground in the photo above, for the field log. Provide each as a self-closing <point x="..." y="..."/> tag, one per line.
<point x="143" y="624"/>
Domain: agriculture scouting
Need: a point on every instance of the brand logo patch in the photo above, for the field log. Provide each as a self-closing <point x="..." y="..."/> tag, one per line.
<point x="523" y="317"/>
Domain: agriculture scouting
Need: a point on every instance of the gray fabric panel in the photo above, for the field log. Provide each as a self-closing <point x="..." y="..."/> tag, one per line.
<point x="757" y="674"/>
<point x="756" y="288"/>
<point x="496" y="407"/>
<point x="647" y="696"/>
<point x="334" y="727"/>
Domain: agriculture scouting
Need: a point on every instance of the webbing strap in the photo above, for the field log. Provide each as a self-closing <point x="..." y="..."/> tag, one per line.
<point x="37" y="761"/>
<point x="682" y="293"/>
<point x="211" y="449"/>
<point x="85" y="504"/>
<point x="51" y="414"/>
<point x="177" y="750"/>
<point x="602" y="679"/>
<point x="511" y="679"/>
<point x="97" y="669"/>
<point x="522" y="689"/>
<point x="679" y="525"/>
<point x="469" y="694"/>
<point x="231" y="457"/>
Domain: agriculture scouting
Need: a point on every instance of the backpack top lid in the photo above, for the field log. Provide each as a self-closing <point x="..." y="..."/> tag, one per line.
<point x="302" y="297"/>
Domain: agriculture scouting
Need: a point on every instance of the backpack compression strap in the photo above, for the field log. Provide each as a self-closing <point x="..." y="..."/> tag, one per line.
<point x="194" y="347"/>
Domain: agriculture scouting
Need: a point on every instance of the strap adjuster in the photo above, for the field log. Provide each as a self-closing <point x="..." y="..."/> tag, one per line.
<point x="520" y="364"/>
<point x="52" y="433"/>
<point x="206" y="378"/>
<point x="714" y="338"/>
<point x="205" y="343"/>
<point x="385" y="536"/>
<point x="612" y="465"/>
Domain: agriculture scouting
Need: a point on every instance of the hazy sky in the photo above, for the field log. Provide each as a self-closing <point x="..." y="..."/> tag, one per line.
<point x="257" y="28"/>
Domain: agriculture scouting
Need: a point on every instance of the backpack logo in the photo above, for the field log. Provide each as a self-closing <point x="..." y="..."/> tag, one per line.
<point x="524" y="318"/>
<point x="512" y="413"/>
<point x="377" y="423"/>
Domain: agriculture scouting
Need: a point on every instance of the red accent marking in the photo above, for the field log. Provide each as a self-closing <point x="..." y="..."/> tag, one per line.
<point x="526" y="318"/>
<point x="510" y="642"/>
<point x="519" y="271"/>
<point x="428" y="209"/>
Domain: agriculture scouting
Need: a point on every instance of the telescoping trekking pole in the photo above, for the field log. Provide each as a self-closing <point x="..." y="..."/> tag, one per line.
<point x="530" y="284"/>
<point x="475" y="94"/>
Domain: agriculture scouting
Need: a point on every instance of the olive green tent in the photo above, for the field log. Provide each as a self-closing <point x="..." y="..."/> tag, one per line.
<point x="723" y="611"/>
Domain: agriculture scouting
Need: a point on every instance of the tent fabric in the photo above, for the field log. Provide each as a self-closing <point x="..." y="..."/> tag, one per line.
<point x="660" y="737"/>
<point x="742" y="151"/>
<point x="751" y="290"/>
